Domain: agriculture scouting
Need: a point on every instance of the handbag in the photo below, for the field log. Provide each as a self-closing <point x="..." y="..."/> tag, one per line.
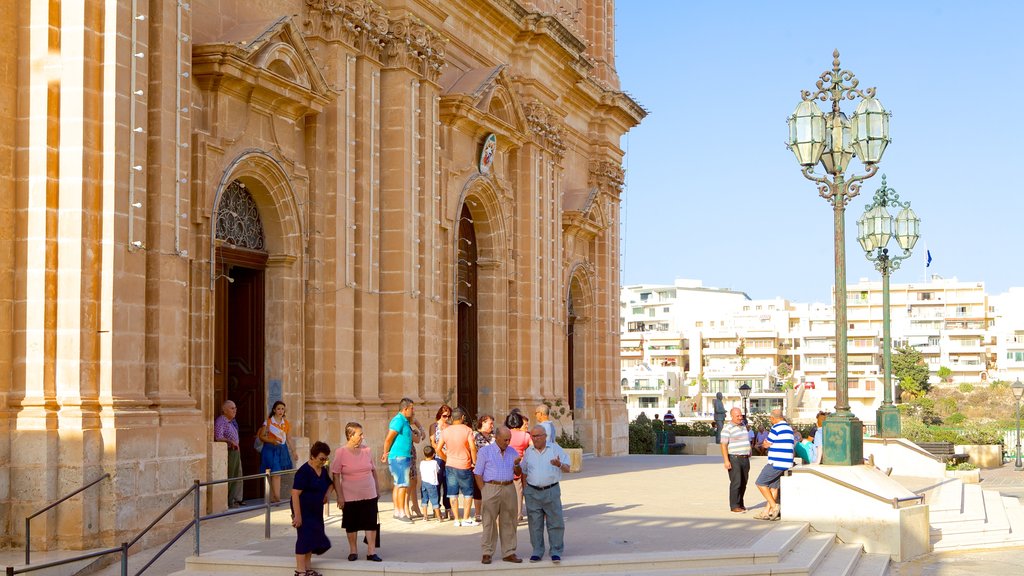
<point x="257" y="444"/>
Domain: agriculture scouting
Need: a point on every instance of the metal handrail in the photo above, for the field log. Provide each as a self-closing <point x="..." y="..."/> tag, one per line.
<point x="906" y="444"/>
<point x="28" y="527"/>
<point x="194" y="523"/>
<point x="894" y="501"/>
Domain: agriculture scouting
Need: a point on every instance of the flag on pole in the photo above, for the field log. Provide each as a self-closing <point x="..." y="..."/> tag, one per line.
<point x="928" y="260"/>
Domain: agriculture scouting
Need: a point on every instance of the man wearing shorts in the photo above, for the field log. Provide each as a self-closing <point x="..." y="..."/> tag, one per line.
<point x="780" y="458"/>
<point x="457" y="443"/>
<point x="397" y="450"/>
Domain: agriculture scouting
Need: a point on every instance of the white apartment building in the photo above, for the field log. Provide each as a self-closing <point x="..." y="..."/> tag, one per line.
<point x="672" y="336"/>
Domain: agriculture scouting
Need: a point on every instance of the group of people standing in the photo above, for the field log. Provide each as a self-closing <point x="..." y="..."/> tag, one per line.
<point x="780" y="443"/>
<point x="485" y="475"/>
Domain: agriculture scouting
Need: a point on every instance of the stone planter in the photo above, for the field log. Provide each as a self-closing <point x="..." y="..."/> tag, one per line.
<point x="982" y="455"/>
<point x="575" y="459"/>
<point x="697" y="444"/>
<point x="965" y="476"/>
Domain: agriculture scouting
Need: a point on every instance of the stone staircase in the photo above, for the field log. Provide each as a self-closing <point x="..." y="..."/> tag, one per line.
<point x="966" y="516"/>
<point x="790" y="548"/>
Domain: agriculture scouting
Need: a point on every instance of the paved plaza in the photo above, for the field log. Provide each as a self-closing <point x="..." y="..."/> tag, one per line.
<point x="616" y="507"/>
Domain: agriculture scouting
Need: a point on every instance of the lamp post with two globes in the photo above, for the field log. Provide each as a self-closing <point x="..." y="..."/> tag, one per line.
<point x="874" y="229"/>
<point x="834" y="140"/>
<point x="1018" y="393"/>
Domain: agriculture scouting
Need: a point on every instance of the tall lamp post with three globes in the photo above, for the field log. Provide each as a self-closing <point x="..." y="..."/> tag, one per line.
<point x="1018" y="393"/>
<point x="874" y="229"/>
<point x="834" y="140"/>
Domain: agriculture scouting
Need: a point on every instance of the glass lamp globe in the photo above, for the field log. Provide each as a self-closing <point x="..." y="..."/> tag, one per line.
<point x="870" y="130"/>
<point x="867" y="241"/>
<point x="838" y="144"/>
<point x="908" y="228"/>
<point x="878" y="225"/>
<point x="807" y="133"/>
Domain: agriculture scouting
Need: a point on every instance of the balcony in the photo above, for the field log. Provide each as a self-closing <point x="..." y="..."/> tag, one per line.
<point x="720" y="351"/>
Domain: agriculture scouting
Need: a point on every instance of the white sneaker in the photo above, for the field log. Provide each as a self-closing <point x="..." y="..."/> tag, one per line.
<point x="470" y="523"/>
<point x="458" y="523"/>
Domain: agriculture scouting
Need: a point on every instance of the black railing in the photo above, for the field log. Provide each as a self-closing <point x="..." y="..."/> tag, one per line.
<point x="197" y="518"/>
<point x="28" y="519"/>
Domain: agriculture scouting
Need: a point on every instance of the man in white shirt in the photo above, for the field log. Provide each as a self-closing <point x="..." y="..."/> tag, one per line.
<point x="542" y="468"/>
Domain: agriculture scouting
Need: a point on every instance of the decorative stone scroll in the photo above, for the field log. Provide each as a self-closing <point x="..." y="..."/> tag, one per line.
<point x="238" y="220"/>
<point x="365" y="25"/>
<point x="607" y="175"/>
<point x="416" y="46"/>
<point x="359" y="23"/>
<point x="545" y="124"/>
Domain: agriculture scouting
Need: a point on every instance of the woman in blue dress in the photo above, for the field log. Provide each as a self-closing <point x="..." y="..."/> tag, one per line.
<point x="309" y="494"/>
<point x="276" y="454"/>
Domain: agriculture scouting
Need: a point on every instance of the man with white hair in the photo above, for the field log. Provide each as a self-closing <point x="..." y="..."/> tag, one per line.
<point x="542" y="466"/>
<point x="736" y="455"/>
<point x="225" y="429"/>
<point x="542" y="415"/>
<point x="780" y="445"/>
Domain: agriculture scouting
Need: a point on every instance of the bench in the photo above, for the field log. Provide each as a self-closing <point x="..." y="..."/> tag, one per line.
<point x="944" y="451"/>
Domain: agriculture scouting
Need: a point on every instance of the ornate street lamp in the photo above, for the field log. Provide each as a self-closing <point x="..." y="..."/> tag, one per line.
<point x="744" y="393"/>
<point x="1018" y="393"/>
<point x="874" y="229"/>
<point x="833" y="139"/>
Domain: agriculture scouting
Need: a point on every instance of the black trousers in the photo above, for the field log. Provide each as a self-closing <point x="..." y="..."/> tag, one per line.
<point x="738" y="480"/>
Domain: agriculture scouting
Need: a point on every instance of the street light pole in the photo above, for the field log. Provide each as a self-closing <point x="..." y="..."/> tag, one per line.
<point x="745" y="393"/>
<point x="834" y="140"/>
<point x="874" y="229"/>
<point x="1018" y="392"/>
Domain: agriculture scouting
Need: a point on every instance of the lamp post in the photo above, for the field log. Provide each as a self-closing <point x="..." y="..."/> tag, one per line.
<point x="744" y="393"/>
<point x="874" y="229"/>
<point x="834" y="139"/>
<point x="1018" y="392"/>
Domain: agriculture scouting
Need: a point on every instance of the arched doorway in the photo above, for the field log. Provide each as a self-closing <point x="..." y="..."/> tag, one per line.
<point x="466" y="299"/>
<point x="241" y="261"/>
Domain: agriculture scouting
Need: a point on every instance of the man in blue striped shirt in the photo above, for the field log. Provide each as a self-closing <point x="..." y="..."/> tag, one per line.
<point x="780" y="444"/>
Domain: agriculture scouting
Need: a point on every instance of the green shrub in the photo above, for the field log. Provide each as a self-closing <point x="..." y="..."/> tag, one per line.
<point x="966" y="388"/>
<point x="565" y="440"/>
<point x="961" y="466"/>
<point x="969" y="433"/>
<point x="641" y="436"/>
<point x="955" y="418"/>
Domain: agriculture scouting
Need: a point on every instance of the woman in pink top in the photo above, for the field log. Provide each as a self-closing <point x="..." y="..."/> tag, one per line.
<point x="518" y="424"/>
<point x="355" y="481"/>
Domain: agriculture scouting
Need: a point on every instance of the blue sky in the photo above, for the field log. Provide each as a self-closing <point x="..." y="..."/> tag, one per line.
<point x="713" y="194"/>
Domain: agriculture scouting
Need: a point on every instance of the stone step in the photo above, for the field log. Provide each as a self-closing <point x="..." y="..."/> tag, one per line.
<point x="946" y="497"/>
<point x="789" y="549"/>
<point x="995" y="521"/>
<point x="872" y="565"/>
<point x="972" y="508"/>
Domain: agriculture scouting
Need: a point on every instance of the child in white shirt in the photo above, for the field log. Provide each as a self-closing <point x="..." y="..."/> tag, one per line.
<point x="430" y="489"/>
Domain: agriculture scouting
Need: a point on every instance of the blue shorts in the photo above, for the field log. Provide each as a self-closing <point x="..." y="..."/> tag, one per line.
<point x="431" y="494"/>
<point x="770" y="476"/>
<point x="400" y="470"/>
<point x="459" y="482"/>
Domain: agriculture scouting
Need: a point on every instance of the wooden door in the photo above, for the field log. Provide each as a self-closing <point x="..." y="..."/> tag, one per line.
<point x="238" y="364"/>
<point x="466" y="292"/>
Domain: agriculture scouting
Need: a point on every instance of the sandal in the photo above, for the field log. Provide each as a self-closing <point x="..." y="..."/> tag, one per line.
<point x="312" y="572"/>
<point x="774" y="514"/>
<point x="763" y="514"/>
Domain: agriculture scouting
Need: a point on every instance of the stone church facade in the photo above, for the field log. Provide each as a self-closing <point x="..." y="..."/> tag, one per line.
<point x="335" y="203"/>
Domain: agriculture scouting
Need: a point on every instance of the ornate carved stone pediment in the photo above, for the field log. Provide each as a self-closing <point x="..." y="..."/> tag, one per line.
<point x="268" y="64"/>
<point x="583" y="214"/>
<point x="484" y="99"/>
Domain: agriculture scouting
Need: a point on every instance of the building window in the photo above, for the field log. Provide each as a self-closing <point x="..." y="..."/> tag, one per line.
<point x="644" y="296"/>
<point x="647" y="401"/>
<point x="638" y="310"/>
<point x="698" y="324"/>
<point x="924" y="295"/>
<point x="869" y="385"/>
<point x="665" y="309"/>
